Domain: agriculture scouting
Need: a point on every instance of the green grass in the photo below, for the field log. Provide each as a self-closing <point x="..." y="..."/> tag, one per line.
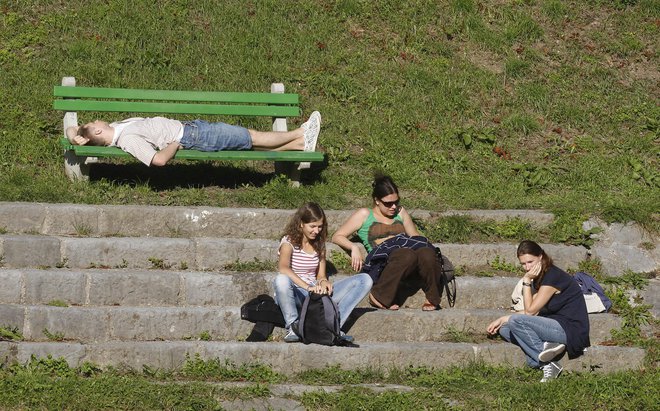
<point x="567" y="88"/>
<point x="49" y="383"/>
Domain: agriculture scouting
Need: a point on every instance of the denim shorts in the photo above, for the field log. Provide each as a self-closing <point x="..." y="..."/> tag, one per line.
<point x="204" y="136"/>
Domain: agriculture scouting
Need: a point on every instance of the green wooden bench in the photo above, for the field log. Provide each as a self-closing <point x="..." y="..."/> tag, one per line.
<point x="276" y="104"/>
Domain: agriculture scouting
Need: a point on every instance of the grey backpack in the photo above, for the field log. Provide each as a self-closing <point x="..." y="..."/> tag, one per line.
<point x="319" y="320"/>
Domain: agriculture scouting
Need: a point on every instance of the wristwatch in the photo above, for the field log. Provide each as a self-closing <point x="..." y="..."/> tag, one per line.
<point x="526" y="284"/>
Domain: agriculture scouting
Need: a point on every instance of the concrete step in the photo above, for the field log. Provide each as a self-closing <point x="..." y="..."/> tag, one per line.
<point x="126" y="287"/>
<point x="204" y="253"/>
<point x="99" y="324"/>
<point x="289" y="359"/>
<point x="167" y="221"/>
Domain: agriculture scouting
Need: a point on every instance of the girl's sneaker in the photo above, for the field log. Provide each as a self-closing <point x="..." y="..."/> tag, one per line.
<point x="291" y="336"/>
<point x="551" y="371"/>
<point x="551" y="351"/>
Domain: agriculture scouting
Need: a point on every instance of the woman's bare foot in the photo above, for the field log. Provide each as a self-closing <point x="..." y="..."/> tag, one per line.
<point x="428" y="306"/>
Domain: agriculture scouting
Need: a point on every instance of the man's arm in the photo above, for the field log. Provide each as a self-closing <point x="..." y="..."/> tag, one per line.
<point x="73" y="137"/>
<point x="163" y="156"/>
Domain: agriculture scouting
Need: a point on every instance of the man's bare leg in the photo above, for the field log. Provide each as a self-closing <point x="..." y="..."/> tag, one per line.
<point x="303" y="138"/>
<point x="277" y="140"/>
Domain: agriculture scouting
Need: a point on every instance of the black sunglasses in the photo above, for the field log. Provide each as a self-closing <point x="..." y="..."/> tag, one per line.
<point x="389" y="204"/>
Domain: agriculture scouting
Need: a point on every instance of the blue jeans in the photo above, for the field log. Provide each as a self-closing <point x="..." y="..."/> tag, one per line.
<point x="204" y="136"/>
<point x="529" y="332"/>
<point x="346" y="293"/>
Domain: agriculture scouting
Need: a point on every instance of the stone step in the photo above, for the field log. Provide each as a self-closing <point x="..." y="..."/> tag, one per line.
<point x="168" y="221"/>
<point x="123" y="287"/>
<point x="99" y="324"/>
<point x="97" y="287"/>
<point x="204" y="253"/>
<point x="289" y="359"/>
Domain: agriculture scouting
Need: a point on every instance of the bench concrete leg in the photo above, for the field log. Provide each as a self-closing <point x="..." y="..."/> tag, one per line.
<point x="76" y="168"/>
<point x="290" y="170"/>
<point x="279" y="124"/>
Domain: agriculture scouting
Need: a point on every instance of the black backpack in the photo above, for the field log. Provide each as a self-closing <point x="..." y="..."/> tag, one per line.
<point x="319" y="321"/>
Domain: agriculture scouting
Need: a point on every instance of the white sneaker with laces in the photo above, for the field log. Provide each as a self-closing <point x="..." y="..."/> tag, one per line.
<point x="551" y="371"/>
<point x="291" y="336"/>
<point x="550" y="351"/>
<point x="311" y="129"/>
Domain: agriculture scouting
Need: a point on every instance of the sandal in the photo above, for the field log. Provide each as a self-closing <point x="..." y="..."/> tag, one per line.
<point x="377" y="304"/>
<point x="429" y="307"/>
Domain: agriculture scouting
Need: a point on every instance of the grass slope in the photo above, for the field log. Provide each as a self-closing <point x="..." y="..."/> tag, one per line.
<point x="467" y="104"/>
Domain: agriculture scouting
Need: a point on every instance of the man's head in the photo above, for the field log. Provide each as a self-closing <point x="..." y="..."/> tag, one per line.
<point x="95" y="133"/>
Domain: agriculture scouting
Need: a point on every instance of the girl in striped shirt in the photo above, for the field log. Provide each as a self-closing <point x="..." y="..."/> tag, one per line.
<point x="302" y="269"/>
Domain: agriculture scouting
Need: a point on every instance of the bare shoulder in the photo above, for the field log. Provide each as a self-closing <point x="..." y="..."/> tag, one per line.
<point x="354" y="221"/>
<point x="362" y="212"/>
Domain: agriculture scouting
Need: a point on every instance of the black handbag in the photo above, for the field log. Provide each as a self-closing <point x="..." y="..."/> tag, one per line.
<point x="265" y="314"/>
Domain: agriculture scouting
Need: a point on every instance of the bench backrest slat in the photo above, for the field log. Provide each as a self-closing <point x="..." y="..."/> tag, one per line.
<point x="175" y="95"/>
<point x="175" y="108"/>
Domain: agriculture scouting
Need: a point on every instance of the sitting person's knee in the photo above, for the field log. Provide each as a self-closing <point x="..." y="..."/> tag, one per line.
<point x="403" y="255"/>
<point x="426" y="254"/>
<point x="281" y="281"/>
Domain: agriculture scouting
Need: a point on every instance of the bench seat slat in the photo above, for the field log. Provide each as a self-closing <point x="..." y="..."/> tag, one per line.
<point x="176" y="95"/>
<point x="175" y="108"/>
<point x="294" y="156"/>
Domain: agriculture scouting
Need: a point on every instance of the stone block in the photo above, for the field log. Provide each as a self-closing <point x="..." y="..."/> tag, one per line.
<point x="10" y="292"/>
<point x="74" y="353"/>
<point x="74" y="323"/>
<point x="8" y="352"/>
<point x="163" y="355"/>
<point x="31" y="251"/>
<point x="213" y="254"/>
<point x="12" y="316"/>
<point x="622" y="247"/>
<point x="606" y="359"/>
<point x="535" y="217"/>
<point x="140" y="220"/>
<point x="168" y="323"/>
<point x="225" y="289"/>
<point x="45" y="286"/>
<point x="651" y="295"/>
<point x="134" y="288"/>
<point x="131" y="252"/>
<point x="72" y="219"/>
<point x="22" y="217"/>
<point x="617" y="258"/>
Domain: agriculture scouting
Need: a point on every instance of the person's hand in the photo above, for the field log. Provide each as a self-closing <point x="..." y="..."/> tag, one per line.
<point x="534" y="272"/>
<point x="495" y="326"/>
<point x="322" y="287"/>
<point x="356" y="258"/>
<point x="326" y="286"/>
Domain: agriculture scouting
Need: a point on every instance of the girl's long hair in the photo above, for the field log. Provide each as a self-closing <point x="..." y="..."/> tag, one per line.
<point x="532" y="248"/>
<point x="307" y="213"/>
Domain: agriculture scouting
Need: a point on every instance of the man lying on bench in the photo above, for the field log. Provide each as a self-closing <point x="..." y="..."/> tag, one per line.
<point x="154" y="141"/>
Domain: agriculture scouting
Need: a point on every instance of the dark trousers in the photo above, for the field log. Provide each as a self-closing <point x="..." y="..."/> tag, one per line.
<point x="405" y="264"/>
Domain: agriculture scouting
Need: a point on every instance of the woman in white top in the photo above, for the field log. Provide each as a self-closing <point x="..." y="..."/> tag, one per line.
<point x="302" y="269"/>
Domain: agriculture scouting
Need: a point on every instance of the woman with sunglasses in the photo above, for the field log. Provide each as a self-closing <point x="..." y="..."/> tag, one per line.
<point x="387" y="223"/>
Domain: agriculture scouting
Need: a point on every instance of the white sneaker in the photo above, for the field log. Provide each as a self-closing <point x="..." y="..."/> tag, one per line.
<point x="291" y="336"/>
<point x="311" y="129"/>
<point x="551" y="351"/>
<point x="551" y="371"/>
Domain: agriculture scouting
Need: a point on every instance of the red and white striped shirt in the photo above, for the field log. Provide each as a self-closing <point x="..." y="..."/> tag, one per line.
<point x="305" y="265"/>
